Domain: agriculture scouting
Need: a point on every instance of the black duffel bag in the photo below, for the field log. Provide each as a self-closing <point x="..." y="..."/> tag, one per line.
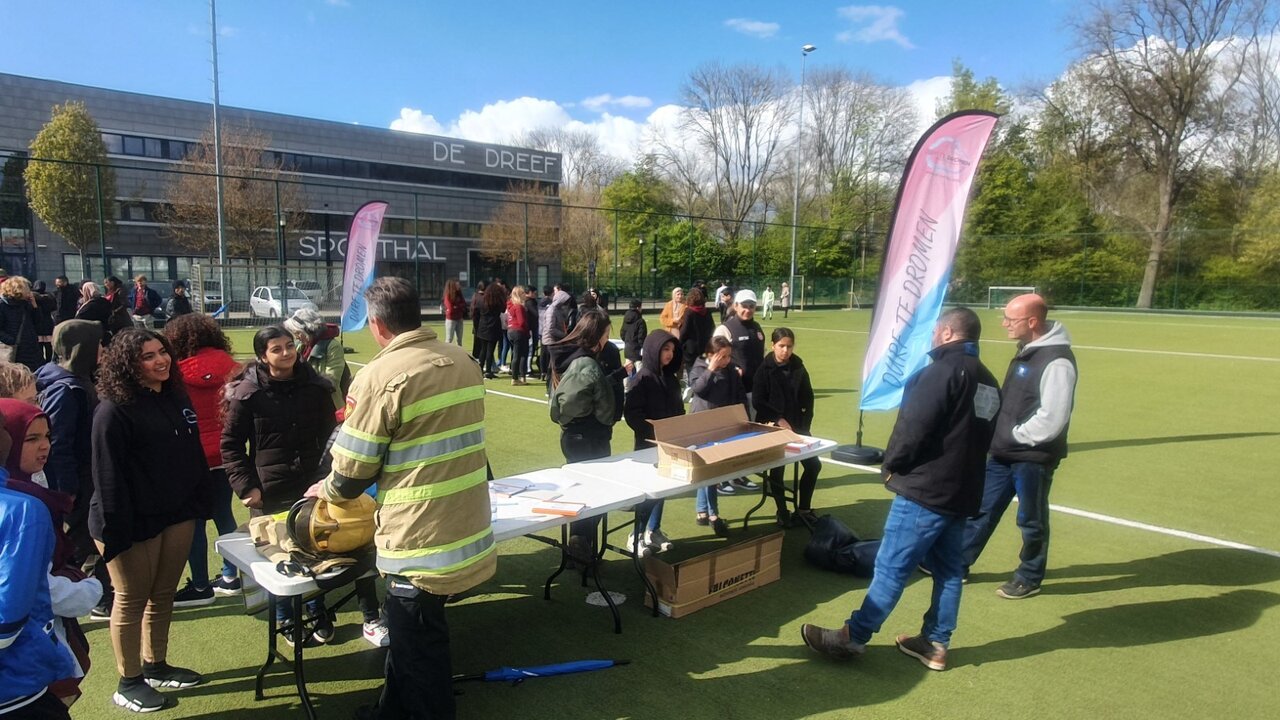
<point x="833" y="546"/>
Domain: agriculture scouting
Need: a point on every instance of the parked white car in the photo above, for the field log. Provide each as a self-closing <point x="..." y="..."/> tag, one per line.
<point x="265" y="302"/>
<point x="310" y="288"/>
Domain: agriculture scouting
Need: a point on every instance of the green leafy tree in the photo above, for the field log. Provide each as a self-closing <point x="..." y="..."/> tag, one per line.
<point x="968" y="93"/>
<point x="74" y="191"/>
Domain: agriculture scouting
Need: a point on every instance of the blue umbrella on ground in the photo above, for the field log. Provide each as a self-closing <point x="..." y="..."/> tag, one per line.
<point x="517" y="675"/>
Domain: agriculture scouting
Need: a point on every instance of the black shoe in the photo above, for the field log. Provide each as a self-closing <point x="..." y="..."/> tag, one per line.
<point x="135" y="695"/>
<point x="720" y="527"/>
<point x="701" y="519"/>
<point x="162" y="674"/>
<point x="1017" y="590"/>
<point x="745" y="484"/>
<point x="227" y="586"/>
<point x="783" y="518"/>
<point x="192" y="596"/>
<point x="324" y="629"/>
<point x="726" y="488"/>
<point x="101" y="611"/>
<point x="806" y="516"/>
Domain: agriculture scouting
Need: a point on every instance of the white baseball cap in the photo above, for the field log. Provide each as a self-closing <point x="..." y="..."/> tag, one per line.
<point x="745" y="296"/>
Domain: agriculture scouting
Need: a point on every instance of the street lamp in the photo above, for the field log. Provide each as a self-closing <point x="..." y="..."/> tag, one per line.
<point x="640" y="272"/>
<point x="795" y="198"/>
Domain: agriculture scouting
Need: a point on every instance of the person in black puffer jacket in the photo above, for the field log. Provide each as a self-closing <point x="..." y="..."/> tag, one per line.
<point x="278" y="415"/>
<point x="784" y="395"/>
<point x="283" y="411"/>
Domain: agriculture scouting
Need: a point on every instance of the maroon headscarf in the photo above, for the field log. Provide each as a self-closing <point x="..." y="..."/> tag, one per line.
<point x="18" y="416"/>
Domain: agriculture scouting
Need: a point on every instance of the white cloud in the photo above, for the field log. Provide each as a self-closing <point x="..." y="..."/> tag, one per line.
<point x="599" y="102"/>
<point x="873" y="23"/>
<point x="754" y="28"/>
<point x="416" y="121"/>
<point x="926" y="93"/>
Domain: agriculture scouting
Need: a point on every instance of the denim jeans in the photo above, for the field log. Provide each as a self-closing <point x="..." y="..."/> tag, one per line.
<point x="708" y="501"/>
<point x="914" y="534"/>
<point x="1030" y="482"/>
<point x="224" y="521"/>
<point x="654" y="513"/>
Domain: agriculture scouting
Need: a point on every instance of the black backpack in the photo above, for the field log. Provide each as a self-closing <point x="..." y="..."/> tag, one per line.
<point x="834" y="547"/>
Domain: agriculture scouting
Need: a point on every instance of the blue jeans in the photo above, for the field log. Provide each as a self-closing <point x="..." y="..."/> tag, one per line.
<point x="1030" y="482"/>
<point x="654" y="512"/>
<point x="914" y="534"/>
<point x="224" y="521"/>
<point x="708" y="501"/>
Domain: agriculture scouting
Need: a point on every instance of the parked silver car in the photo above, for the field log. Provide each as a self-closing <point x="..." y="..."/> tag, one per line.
<point x="266" y="302"/>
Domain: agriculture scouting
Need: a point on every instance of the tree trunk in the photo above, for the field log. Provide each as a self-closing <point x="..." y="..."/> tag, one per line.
<point x="1159" y="235"/>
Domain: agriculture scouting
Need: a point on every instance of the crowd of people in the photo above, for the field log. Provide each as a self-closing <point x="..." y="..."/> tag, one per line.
<point x="130" y="440"/>
<point x="123" y="441"/>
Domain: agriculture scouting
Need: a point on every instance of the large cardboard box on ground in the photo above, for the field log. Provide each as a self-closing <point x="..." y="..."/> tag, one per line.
<point x="691" y="585"/>
<point x="694" y="447"/>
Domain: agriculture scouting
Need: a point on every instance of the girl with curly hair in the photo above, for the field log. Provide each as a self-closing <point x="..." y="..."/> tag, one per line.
<point x="151" y="483"/>
<point x="204" y="358"/>
<point x="18" y="323"/>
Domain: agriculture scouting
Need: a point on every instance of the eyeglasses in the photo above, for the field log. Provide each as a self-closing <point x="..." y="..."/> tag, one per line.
<point x="1011" y="321"/>
<point x="748" y="305"/>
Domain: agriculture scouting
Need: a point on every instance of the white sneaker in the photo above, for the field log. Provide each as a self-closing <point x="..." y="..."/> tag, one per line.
<point x="643" y="549"/>
<point x="377" y="634"/>
<point x="657" y="541"/>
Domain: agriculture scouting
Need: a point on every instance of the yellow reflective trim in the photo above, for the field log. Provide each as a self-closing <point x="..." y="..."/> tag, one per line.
<point x="438" y="436"/>
<point x="441" y="401"/>
<point x="456" y="566"/>
<point x="400" y="496"/>
<point x="435" y="459"/>
<point x="353" y="455"/>
<point x="436" y="549"/>
<point x="368" y="437"/>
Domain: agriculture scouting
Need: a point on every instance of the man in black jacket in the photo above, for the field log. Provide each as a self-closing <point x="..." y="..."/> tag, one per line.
<point x="67" y="297"/>
<point x="934" y="462"/>
<point x="1030" y="440"/>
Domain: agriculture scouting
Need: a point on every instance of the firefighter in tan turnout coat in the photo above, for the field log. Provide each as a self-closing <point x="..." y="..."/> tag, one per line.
<point x="415" y="427"/>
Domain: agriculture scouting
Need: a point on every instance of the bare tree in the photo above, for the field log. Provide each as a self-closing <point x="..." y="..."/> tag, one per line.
<point x="858" y="129"/>
<point x="1168" y="65"/>
<point x="252" y="181"/>
<point x="583" y="161"/>
<point x="525" y="227"/>
<point x="735" y="118"/>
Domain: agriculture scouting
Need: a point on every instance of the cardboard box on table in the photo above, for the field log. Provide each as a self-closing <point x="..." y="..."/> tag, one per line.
<point x="688" y="447"/>
<point x="714" y="577"/>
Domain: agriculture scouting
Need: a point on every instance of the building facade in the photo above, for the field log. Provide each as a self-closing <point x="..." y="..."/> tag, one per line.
<point x="441" y="191"/>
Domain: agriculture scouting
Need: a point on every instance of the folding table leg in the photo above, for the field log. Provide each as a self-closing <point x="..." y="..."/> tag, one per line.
<point x="764" y="495"/>
<point x="271" y="647"/>
<point x="564" y="559"/>
<point x="299" y="634"/>
<point x="637" y="537"/>
<point x="595" y="576"/>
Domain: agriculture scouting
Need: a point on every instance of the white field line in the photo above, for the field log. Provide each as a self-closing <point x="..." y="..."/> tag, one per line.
<point x="1110" y="519"/>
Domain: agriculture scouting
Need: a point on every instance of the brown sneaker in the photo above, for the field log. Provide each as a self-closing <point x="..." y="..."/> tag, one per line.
<point x="931" y="654"/>
<point x="835" y="642"/>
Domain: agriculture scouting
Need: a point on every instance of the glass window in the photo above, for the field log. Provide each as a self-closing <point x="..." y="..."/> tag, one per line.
<point x="120" y="267"/>
<point x="135" y="211"/>
<point x="71" y="267"/>
<point x="134" y="145"/>
<point x="175" y="149"/>
<point x="141" y="265"/>
<point x="114" y="143"/>
<point x="95" y="269"/>
<point x="152" y="147"/>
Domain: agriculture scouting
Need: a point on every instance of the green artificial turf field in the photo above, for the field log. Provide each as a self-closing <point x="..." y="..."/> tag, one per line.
<point x="1176" y="426"/>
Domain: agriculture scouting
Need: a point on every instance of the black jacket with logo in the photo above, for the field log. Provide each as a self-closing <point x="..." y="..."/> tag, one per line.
<point x="784" y="392"/>
<point x="937" y="453"/>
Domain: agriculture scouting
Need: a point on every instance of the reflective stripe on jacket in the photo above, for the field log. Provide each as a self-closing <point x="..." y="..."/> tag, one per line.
<point x="415" y="426"/>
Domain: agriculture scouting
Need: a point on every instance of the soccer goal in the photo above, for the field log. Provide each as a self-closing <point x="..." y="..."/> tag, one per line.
<point x="1000" y="295"/>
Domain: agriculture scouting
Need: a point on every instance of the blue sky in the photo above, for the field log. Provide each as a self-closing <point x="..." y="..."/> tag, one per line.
<point x="490" y="69"/>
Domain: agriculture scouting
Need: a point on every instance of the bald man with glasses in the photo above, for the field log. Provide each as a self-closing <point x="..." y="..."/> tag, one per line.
<point x="1030" y="440"/>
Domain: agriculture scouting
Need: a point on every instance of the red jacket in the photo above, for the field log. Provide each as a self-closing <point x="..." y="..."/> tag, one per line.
<point x="454" y="310"/>
<point x="515" y="317"/>
<point x="205" y="373"/>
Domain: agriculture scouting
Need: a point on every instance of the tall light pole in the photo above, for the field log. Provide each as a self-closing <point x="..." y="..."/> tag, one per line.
<point x="795" y="198"/>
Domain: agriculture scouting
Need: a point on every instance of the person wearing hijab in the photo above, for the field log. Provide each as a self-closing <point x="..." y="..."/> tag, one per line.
<point x="72" y="593"/>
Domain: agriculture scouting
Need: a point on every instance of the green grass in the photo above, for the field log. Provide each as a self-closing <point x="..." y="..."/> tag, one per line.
<point x="1130" y="624"/>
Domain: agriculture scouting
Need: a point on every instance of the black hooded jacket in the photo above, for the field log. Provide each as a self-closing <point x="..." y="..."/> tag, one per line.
<point x="656" y="392"/>
<point x="784" y="392"/>
<point x="284" y="424"/>
<point x="634" y="330"/>
<point x="68" y="397"/>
